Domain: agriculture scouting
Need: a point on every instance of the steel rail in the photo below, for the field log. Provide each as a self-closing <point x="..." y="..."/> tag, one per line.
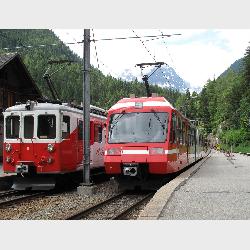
<point x="84" y="213"/>
<point x="21" y="199"/>
<point x="8" y="193"/>
<point x="126" y="211"/>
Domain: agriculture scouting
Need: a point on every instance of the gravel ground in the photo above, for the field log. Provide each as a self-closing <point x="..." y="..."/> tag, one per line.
<point x="56" y="206"/>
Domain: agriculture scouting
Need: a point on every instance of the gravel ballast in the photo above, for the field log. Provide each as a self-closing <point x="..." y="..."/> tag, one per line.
<point x="58" y="206"/>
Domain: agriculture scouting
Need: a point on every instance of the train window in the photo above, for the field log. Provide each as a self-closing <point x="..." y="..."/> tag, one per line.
<point x="46" y="127"/>
<point x="12" y="127"/>
<point x="173" y="139"/>
<point x="80" y="130"/>
<point x="138" y="127"/>
<point x="66" y="127"/>
<point x="98" y="133"/>
<point x="28" y="127"/>
<point x="180" y="131"/>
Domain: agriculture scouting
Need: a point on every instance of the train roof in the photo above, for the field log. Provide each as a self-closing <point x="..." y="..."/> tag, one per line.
<point x="155" y="101"/>
<point x="147" y="101"/>
<point x="53" y="106"/>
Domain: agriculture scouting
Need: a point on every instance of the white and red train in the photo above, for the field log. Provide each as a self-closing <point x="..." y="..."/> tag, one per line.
<point x="45" y="140"/>
<point x="146" y="138"/>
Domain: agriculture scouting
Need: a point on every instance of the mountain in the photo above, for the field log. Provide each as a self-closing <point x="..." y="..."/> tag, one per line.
<point x="237" y="66"/>
<point x="164" y="77"/>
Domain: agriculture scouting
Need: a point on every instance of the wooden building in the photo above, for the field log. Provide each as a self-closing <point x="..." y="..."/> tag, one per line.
<point x="16" y="85"/>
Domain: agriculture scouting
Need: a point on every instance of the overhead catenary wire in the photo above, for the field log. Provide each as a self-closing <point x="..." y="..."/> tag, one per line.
<point x="134" y="37"/>
<point x="151" y="56"/>
<point x="20" y="46"/>
<point x="168" y="51"/>
<point x="97" y="60"/>
<point x="144" y="46"/>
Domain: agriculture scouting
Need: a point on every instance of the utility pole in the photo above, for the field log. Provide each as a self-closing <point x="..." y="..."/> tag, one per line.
<point x="86" y="108"/>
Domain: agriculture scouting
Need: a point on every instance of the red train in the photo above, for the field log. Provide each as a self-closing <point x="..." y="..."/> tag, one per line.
<point x="44" y="140"/>
<point x="147" y="138"/>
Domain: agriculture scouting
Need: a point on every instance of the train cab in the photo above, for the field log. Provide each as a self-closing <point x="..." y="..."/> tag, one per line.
<point x="146" y="137"/>
<point x="47" y="138"/>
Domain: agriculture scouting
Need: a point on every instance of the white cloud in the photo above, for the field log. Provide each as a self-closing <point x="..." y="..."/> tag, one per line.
<point x="196" y="60"/>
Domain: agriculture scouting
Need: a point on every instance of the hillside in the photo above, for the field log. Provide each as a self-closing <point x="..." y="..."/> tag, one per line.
<point x="236" y="67"/>
<point x="69" y="80"/>
<point x="224" y="106"/>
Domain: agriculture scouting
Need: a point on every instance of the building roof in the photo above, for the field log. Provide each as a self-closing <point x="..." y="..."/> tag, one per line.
<point x="15" y="59"/>
<point x="5" y="58"/>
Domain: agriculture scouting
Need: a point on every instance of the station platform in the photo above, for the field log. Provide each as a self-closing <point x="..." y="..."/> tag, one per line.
<point x="216" y="188"/>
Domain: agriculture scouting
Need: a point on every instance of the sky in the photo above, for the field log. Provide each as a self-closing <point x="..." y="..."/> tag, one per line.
<point x="196" y="55"/>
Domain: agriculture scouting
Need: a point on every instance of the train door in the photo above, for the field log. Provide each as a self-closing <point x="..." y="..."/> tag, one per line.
<point x="1" y="138"/>
<point x="187" y="140"/>
<point x="97" y="144"/>
<point x="79" y="151"/>
<point x="181" y="144"/>
<point x="68" y="142"/>
<point x="178" y="142"/>
<point x="28" y="142"/>
<point x="174" y="146"/>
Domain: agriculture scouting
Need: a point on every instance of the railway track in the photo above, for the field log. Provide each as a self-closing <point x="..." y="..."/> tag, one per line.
<point x="114" y="208"/>
<point x="122" y="215"/>
<point x="8" y="193"/>
<point x="18" y="197"/>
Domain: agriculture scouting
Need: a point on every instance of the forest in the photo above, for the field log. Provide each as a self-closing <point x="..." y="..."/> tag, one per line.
<point x="221" y="108"/>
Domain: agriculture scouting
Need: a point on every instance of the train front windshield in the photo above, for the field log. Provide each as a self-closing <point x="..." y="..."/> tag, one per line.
<point x="138" y="127"/>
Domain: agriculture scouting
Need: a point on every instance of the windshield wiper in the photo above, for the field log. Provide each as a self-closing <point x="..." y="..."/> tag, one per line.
<point x="116" y="120"/>
<point x="158" y="119"/>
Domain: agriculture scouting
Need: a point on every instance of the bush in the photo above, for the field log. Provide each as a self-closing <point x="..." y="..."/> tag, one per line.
<point x="236" y="137"/>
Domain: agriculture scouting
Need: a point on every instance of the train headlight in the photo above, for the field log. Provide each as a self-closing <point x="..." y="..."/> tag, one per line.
<point x="8" y="147"/>
<point x="50" y="160"/>
<point x="156" y="151"/>
<point x="114" y="151"/>
<point x="51" y="148"/>
<point x="8" y="159"/>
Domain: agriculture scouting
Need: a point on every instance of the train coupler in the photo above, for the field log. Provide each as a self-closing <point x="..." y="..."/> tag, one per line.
<point x="130" y="169"/>
<point x="22" y="169"/>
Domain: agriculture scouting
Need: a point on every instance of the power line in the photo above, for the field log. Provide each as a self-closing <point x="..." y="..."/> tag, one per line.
<point x="80" y="42"/>
<point x="95" y="50"/>
<point x="134" y="37"/>
<point x="168" y="51"/>
<point x="144" y="46"/>
<point x="36" y="46"/>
